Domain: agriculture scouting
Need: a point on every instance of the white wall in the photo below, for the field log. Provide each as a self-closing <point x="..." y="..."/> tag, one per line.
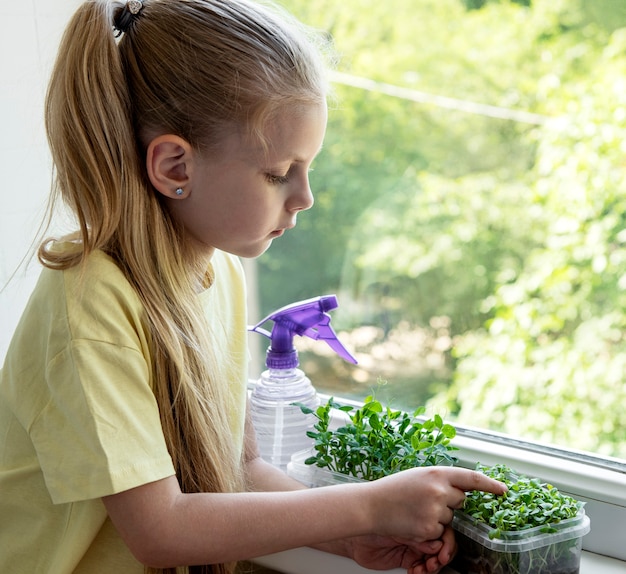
<point x="31" y="30"/>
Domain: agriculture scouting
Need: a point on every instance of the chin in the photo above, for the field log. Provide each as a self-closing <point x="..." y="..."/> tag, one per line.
<point x="254" y="250"/>
<point x="262" y="250"/>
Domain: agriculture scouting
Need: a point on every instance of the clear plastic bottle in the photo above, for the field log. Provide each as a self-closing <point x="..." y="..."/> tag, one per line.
<point x="280" y="425"/>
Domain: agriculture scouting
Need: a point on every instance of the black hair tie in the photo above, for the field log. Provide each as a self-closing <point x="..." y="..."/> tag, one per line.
<point x="125" y="19"/>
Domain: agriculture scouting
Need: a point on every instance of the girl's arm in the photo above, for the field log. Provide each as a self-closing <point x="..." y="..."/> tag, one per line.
<point x="164" y="527"/>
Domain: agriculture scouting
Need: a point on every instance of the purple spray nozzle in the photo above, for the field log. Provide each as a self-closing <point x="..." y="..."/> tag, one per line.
<point x="307" y="318"/>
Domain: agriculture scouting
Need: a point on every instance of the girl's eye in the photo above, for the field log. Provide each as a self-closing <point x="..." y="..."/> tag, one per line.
<point x="277" y="179"/>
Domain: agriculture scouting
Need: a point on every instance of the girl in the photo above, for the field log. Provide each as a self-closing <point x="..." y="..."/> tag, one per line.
<point x="182" y="132"/>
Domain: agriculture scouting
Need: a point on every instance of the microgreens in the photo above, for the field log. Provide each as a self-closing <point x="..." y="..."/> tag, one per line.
<point x="527" y="503"/>
<point x="525" y="530"/>
<point x="378" y="441"/>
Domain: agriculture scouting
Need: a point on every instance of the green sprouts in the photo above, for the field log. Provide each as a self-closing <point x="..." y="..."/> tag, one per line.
<point x="527" y="504"/>
<point x="378" y="441"/>
<point x="535" y="529"/>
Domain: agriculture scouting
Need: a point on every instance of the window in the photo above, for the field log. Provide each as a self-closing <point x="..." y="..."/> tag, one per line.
<point x="470" y="215"/>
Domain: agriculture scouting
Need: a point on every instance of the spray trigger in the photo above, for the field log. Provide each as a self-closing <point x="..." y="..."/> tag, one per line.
<point x="308" y="318"/>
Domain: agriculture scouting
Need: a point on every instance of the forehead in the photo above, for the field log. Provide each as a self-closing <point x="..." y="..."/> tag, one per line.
<point x="295" y="134"/>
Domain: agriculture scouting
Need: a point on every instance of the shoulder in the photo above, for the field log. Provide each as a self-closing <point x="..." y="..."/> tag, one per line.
<point x="95" y="300"/>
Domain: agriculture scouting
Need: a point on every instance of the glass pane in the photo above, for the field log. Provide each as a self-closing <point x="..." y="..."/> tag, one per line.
<point x="470" y="214"/>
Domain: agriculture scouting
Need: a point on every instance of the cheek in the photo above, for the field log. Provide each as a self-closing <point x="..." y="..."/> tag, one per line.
<point x="239" y="216"/>
<point x="250" y="216"/>
<point x="254" y="207"/>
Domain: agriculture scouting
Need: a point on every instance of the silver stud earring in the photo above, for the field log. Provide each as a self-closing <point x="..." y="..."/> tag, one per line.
<point x="179" y="191"/>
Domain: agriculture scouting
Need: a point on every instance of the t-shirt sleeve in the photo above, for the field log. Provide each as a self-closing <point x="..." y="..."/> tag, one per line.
<point x="100" y="431"/>
<point x="96" y="428"/>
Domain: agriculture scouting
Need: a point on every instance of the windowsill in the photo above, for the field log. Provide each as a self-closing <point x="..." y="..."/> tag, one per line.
<point x="309" y="561"/>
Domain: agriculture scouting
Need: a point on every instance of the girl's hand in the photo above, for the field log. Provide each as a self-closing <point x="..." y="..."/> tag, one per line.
<point x="381" y="553"/>
<point x="416" y="505"/>
<point x="434" y="562"/>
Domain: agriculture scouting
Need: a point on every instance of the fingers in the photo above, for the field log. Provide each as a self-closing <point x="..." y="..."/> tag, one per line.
<point x="427" y="565"/>
<point x="435" y="561"/>
<point x="447" y="516"/>
<point x="429" y="546"/>
<point x="467" y="480"/>
<point x="417" y="569"/>
<point x="430" y="494"/>
<point x="448" y="548"/>
<point x="457" y="499"/>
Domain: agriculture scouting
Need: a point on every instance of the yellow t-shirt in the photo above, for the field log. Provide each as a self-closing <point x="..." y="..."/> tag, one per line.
<point x="78" y="417"/>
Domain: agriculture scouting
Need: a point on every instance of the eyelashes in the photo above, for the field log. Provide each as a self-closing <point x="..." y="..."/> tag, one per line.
<point x="277" y="179"/>
<point x="280" y="179"/>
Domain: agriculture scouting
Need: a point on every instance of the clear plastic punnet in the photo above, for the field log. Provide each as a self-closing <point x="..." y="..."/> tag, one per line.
<point x="311" y="475"/>
<point x="531" y="551"/>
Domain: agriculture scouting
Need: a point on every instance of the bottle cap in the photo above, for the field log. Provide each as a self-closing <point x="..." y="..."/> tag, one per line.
<point x="307" y="318"/>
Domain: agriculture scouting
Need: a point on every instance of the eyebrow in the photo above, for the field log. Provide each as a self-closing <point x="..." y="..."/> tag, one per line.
<point x="300" y="160"/>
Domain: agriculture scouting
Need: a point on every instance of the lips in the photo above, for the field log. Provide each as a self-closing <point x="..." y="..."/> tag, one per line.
<point x="281" y="231"/>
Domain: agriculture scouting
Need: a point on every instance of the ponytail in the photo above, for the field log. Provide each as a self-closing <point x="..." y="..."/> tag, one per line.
<point x="89" y="131"/>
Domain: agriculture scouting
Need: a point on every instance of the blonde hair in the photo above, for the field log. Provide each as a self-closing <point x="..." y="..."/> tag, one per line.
<point x="198" y="69"/>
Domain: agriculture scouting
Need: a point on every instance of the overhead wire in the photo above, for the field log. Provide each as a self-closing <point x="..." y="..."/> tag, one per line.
<point x="438" y="101"/>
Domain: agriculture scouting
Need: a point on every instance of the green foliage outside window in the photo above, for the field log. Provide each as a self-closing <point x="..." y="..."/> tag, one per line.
<point x="493" y="249"/>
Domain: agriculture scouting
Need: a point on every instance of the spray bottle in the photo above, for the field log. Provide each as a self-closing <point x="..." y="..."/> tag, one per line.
<point x="280" y="425"/>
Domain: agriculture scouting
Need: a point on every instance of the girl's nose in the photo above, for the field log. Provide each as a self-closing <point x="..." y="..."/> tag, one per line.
<point x="302" y="198"/>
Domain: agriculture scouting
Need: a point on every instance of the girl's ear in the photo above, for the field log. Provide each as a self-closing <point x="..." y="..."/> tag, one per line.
<point x="168" y="161"/>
